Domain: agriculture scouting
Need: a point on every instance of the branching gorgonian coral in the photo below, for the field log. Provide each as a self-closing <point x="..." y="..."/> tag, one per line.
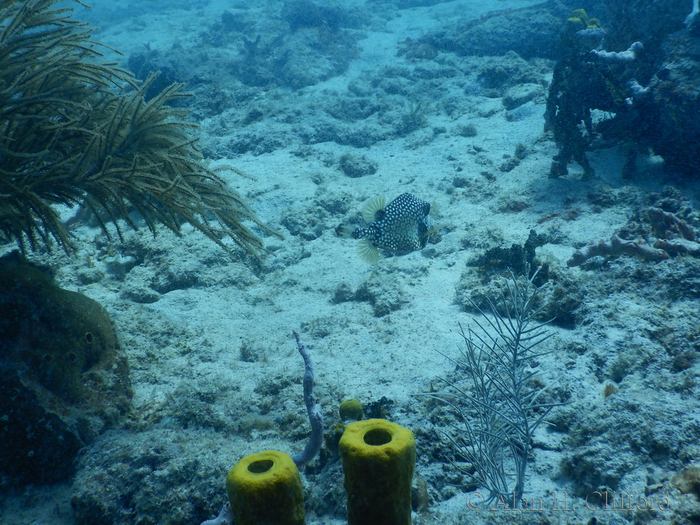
<point x="76" y="131"/>
<point x="493" y="395"/>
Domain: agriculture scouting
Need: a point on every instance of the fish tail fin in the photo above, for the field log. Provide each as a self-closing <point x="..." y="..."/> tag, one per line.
<point x="345" y="231"/>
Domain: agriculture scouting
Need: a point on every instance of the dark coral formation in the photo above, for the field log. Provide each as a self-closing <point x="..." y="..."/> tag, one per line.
<point x="676" y="99"/>
<point x="643" y="72"/>
<point x="582" y="83"/>
<point x="519" y="259"/>
<point x="63" y="377"/>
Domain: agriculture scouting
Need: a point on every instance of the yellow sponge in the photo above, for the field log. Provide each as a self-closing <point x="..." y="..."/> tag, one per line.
<point x="265" y="489"/>
<point x="378" y="459"/>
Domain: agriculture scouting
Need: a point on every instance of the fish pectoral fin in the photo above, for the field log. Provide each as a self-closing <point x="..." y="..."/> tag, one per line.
<point x="367" y="251"/>
<point x="372" y="206"/>
<point x="426" y="235"/>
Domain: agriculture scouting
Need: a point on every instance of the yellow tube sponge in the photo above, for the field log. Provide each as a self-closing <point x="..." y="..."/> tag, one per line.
<point x="378" y="459"/>
<point x="265" y="489"/>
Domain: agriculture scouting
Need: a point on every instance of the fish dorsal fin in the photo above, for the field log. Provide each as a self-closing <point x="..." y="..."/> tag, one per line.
<point x="367" y="251"/>
<point x="372" y="206"/>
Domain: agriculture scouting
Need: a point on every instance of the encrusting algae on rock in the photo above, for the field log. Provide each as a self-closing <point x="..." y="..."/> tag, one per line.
<point x="400" y="227"/>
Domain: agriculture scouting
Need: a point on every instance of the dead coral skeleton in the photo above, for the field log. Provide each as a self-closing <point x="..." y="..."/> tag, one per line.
<point x="614" y="247"/>
<point x="674" y="237"/>
<point x="621" y="56"/>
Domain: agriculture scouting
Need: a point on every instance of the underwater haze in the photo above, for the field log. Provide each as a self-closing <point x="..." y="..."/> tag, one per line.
<point x="407" y="164"/>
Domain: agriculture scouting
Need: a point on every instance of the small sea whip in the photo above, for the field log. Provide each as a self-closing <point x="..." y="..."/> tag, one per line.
<point x="315" y="418"/>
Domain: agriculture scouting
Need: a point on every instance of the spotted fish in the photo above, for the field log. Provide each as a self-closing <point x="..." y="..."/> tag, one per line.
<point x="400" y="227"/>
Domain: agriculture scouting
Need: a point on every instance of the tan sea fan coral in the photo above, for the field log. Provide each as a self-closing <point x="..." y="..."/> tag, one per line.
<point x="76" y="131"/>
